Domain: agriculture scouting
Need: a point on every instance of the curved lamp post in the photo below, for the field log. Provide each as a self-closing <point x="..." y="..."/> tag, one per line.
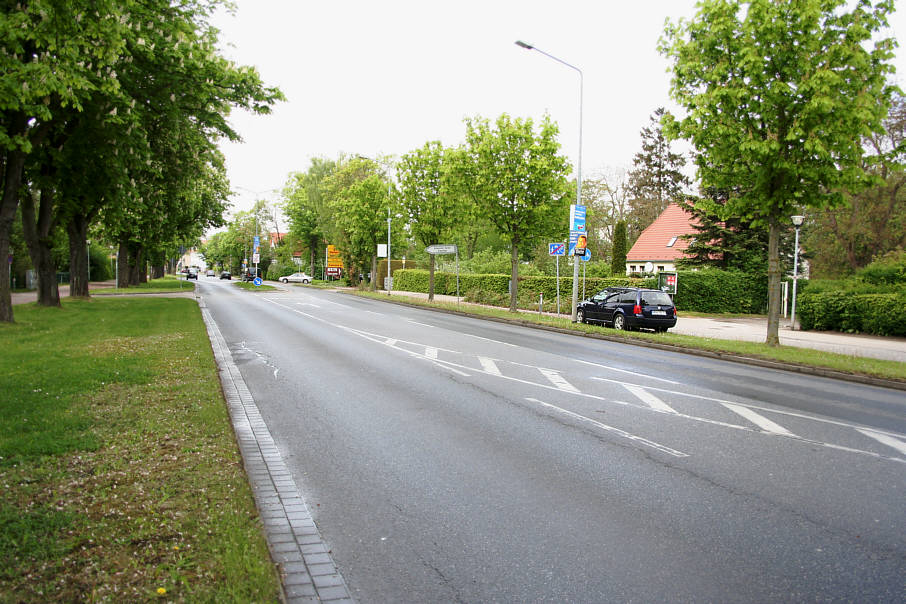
<point x="527" y="46"/>
<point x="797" y="222"/>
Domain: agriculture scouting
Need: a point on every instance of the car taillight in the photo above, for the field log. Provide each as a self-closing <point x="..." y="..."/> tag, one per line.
<point x="637" y="310"/>
<point x="674" y="311"/>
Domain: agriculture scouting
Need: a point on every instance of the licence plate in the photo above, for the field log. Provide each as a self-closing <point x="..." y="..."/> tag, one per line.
<point x="659" y="312"/>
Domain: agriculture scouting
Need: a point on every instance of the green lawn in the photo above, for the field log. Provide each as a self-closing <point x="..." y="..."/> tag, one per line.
<point x="164" y="285"/>
<point x="120" y="472"/>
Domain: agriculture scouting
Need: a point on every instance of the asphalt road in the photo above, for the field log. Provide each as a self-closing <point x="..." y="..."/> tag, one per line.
<point x="447" y="459"/>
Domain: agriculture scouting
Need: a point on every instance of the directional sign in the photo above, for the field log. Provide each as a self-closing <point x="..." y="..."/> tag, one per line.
<point x="257" y="281"/>
<point x="439" y="248"/>
<point x="556" y="249"/>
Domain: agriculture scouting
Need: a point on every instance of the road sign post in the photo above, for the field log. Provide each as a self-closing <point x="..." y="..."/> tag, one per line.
<point x="443" y="249"/>
<point x="556" y="250"/>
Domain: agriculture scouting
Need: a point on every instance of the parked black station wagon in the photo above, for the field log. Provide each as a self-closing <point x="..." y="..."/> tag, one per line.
<point x="629" y="308"/>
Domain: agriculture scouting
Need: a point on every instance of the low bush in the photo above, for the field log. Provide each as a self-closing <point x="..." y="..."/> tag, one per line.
<point x="882" y="314"/>
<point x="718" y="291"/>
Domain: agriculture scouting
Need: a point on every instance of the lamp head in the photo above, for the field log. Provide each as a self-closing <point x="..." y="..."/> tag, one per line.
<point x="524" y="45"/>
<point x="797" y="220"/>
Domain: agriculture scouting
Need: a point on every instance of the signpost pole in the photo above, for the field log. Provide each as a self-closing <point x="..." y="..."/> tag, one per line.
<point x="558" y="283"/>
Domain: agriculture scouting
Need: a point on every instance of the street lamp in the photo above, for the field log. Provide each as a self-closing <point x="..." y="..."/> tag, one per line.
<point x="797" y="222"/>
<point x="525" y="45"/>
<point x="88" y="247"/>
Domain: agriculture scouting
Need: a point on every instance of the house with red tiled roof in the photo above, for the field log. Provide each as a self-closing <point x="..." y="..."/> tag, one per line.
<point x="661" y="244"/>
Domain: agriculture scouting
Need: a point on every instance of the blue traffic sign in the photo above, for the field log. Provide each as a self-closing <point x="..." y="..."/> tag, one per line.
<point x="257" y="281"/>
<point x="576" y="217"/>
<point x="556" y="249"/>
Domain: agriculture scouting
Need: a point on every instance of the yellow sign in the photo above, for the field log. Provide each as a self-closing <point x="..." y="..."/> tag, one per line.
<point x="333" y="257"/>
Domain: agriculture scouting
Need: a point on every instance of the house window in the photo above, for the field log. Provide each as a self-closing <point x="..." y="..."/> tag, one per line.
<point x="672" y="241"/>
<point x="631" y="268"/>
<point x="660" y="268"/>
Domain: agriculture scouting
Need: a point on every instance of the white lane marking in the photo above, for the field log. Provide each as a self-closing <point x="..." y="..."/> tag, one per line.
<point x="558" y="380"/>
<point x="759" y="420"/>
<point x="609" y="368"/>
<point x="885" y="439"/>
<point x="489" y="340"/>
<point x="431" y="352"/>
<point x="373" y="312"/>
<point x="649" y="399"/>
<point x="489" y="365"/>
<point x="417" y="323"/>
<point x="450" y="365"/>
<point x="623" y="433"/>
<point x="390" y="342"/>
<point x="307" y="304"/>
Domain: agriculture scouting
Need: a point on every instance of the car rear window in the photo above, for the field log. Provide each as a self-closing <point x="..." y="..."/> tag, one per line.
<point x="655" y="299"/>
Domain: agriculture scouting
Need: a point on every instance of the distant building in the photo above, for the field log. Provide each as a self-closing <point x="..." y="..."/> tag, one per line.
<point x="662" y="243"/>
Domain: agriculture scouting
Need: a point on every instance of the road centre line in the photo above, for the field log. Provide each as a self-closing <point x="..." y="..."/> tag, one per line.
<point x="822" y="420"/>
<point x="652" y="401"/>
<point x="759" y="420"/>
<point x="612" y="429"/>
<point x="452" y="367"/>
<point x="417" y="323"/>
<point x="558" y="380"/>
<point x="884" y="439"/>
<point x="609" y="368"/>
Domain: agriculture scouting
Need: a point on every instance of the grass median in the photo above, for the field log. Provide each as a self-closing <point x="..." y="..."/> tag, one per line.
<point x="121" y="476"/>
<point x="789" y="355"/>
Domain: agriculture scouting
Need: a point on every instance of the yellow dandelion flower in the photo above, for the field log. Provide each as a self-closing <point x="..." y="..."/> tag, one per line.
<point x="161" y="590"/>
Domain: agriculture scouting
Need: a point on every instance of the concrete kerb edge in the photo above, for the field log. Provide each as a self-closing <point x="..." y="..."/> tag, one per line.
<point x="724" y="356"/>
<point x="262" y="464"/>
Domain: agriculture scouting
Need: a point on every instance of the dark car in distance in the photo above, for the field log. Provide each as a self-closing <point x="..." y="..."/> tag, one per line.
<point x="226" y="275"/>
<point x="192" y="273"/>
<point x="629" y="308"/>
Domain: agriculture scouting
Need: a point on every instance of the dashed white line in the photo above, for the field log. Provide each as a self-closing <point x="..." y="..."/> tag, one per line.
<point x="759" y="420"/>
<point x="884" y="439"/>
<point x="649" y="399"/>
<point x="623" y="433"/>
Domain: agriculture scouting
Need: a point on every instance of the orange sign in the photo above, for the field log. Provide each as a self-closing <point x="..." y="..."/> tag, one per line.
<point x="333" y="257"/>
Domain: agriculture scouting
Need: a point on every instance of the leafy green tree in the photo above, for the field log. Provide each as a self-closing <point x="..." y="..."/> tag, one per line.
<point x="53" y="56"/>
<point x="304" y="206"/>
<point x="427" y="198"/>
<point x="657" y="177"/>
<point x="517" y="179"/>
<point x="840" y="241"/>
<point x="620" y="249"/>
<point x="778" y="96"/>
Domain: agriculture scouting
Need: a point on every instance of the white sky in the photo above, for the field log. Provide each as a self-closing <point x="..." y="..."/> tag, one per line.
<point x="372" y="77"/>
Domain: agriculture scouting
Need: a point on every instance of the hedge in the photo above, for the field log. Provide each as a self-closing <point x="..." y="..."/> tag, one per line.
<point x="719" y="291"/>
<point x="880" y="314"/>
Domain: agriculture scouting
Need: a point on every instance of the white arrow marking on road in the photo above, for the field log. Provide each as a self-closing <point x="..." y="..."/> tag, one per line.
<point x="623" y="433"/>
<point x="649" y="399"/>
<point x="557" y="380"/>
<point x="759" y="420"/>
<point x="884" y="439"/>
<point x="489" y="365"/>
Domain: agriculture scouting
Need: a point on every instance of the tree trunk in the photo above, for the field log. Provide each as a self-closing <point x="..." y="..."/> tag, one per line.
<point x="157" y="272"/>
<point x="141" y="271"/>
<point x="11" y="165"/>
<point x="773" y="337"/>
<point x="77" y="228"/>
<point x="122" y="264"/>
<point x="431" y="278"/>
<point x="373" y="272"/>
<point x="514" y="275"/>
<point x="38" y="230"/>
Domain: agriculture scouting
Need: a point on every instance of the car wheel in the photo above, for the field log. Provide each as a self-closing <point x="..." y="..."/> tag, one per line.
<point x="580" y="316"/>
<point x="305" y="281"/>
<point x="619" y="322"/>
<point x="285" y="280"/>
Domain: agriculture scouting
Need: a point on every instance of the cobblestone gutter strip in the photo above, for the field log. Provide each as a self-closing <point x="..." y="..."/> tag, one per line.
<point x="306" y="567"/>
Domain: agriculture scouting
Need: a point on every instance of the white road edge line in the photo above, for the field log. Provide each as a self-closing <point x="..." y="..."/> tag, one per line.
<point x="623" y="433"/>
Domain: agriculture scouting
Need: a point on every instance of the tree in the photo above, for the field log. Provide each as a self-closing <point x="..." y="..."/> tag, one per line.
<point x="304" y="206"/>
<point x="871" y="223"/>
<point x="518" y="180"/>
<point x="778" y="96"/>
<point x="731" y="243"/>
<point x="605" y="195"/>
<point x="657" y="177"/>
<point x="427" y="198"/>
<point x="620" y="249"/>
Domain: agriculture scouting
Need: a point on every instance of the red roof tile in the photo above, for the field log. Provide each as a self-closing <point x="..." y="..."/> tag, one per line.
<point x="652" y="244"/>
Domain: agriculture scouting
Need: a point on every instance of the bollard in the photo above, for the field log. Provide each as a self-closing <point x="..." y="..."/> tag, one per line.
<point x="540" y="302"/>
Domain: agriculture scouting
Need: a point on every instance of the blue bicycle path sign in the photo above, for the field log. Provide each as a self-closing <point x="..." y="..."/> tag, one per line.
<point x="257" y="281"/>
<point x="556" y="249"/>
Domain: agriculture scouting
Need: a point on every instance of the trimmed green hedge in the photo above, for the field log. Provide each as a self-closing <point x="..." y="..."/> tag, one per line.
<point x="880" y="314"/>
<point x="716" y="291"/>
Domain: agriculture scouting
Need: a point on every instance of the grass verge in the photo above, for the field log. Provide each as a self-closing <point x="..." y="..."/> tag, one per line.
<point x="248" y="286"/>
<point x="788" y="355"/>
<point x="121" y="476"/>
<point x="164" y="285"/>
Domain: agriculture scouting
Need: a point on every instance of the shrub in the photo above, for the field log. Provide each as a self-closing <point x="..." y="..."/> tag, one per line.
<point x="882" y="314"/>
<point x="718" y="291"/>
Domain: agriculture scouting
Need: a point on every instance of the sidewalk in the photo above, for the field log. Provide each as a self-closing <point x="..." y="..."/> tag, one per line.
<point x="754" y="329"/>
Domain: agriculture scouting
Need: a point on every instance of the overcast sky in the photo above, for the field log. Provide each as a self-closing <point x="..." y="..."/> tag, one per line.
<point x="383" y="77"/>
